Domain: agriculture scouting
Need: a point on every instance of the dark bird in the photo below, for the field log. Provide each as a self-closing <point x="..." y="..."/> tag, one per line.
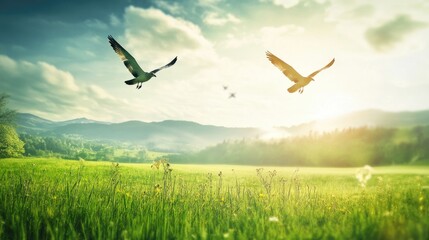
<point x="293" y="75"/>
<point x="232" y="95"/>
<point x="225" y="87"/>
<point x="140" y="76"/>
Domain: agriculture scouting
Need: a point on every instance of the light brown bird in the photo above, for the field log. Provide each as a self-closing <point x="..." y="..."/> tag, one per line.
<point x="293" y="75"/>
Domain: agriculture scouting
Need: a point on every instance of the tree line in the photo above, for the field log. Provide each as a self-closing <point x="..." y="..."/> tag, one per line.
<point x="76" y="148"/>
<point x="340" y="148"/>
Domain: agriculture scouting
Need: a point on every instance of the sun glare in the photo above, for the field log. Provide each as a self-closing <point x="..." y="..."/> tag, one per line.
<point x="332" y="107"/>
<point x="273" y="133"/>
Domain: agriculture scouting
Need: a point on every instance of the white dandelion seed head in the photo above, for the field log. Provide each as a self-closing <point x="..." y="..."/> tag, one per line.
<point x="364" y="174"/>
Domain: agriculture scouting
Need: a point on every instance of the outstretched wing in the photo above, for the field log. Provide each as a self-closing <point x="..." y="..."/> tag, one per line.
<point x="325" y="67"/>
<point x="166" y="66"/>
<point x="286" y="69"/>
<point x="129" y="60"/>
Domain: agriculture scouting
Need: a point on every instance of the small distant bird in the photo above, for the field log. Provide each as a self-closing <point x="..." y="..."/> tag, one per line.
<point x="293" y="75"/>
<point x="140" y="76"/>
<point x="225" y="87"/>
<point x="232" y="95"/>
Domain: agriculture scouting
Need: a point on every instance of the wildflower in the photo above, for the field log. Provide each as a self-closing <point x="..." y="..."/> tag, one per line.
<point x="157" y="188"/>
<point x="364" y="174"/>
<point x="155" y="165"/>
<point x="261" y="195"/>
<point x="273" y="219"/>
<point x="272" y="173"/>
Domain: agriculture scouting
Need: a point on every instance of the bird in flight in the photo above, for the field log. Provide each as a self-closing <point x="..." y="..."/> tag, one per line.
<point x="232" y="95"/>
<point x="225" y="87"/>
<point x="140" y="76"/>
<point x="293" y="75"/>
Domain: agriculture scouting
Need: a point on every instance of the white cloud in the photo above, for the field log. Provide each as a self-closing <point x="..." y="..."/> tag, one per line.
<point x="173" y="8"/>
<point x="167" y="37"/>
<point x="208" y="3"/>
<point x="267" y="37"/>
<point x="8" y="65"/>
<point x="289" y="29"/>
<point x="43" y="89"/>
<point x="95" y="23"/>
<point x="114" y="20"/>
<point x="56" y="78"/>
<point x="283" y="3"/>
<point x="214" y="18"/>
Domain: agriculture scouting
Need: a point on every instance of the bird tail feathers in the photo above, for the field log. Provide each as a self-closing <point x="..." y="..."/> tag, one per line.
<point x="131" y="82"/>
<point x="294" y="88"/>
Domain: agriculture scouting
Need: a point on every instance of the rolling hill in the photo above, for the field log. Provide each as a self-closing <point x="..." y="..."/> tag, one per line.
<point x="167" y="135"/>
<point x="172" y="135"/>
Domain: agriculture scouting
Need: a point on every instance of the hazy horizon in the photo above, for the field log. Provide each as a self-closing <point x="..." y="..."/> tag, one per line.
<point x="56" y="62"/>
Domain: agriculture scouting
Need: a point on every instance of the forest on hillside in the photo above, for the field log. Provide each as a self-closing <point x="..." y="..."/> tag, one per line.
<point x="77" y="148"/>
<point x="340" y="148"/>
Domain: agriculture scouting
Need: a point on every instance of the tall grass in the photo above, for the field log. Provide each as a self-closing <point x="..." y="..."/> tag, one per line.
<point x="55" y="199"/>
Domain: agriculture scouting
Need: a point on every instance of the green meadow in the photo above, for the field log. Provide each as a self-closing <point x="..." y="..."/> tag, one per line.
<point x="60" y="199"/>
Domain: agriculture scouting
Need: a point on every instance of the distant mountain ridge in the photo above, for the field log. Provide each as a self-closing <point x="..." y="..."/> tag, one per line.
<point x="174" y="135"/>
<point x="169" y="135"/>
<point x="30" y="123"/>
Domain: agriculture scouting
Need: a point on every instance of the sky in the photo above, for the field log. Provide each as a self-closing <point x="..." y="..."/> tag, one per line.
<point x="56" y="62"/>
